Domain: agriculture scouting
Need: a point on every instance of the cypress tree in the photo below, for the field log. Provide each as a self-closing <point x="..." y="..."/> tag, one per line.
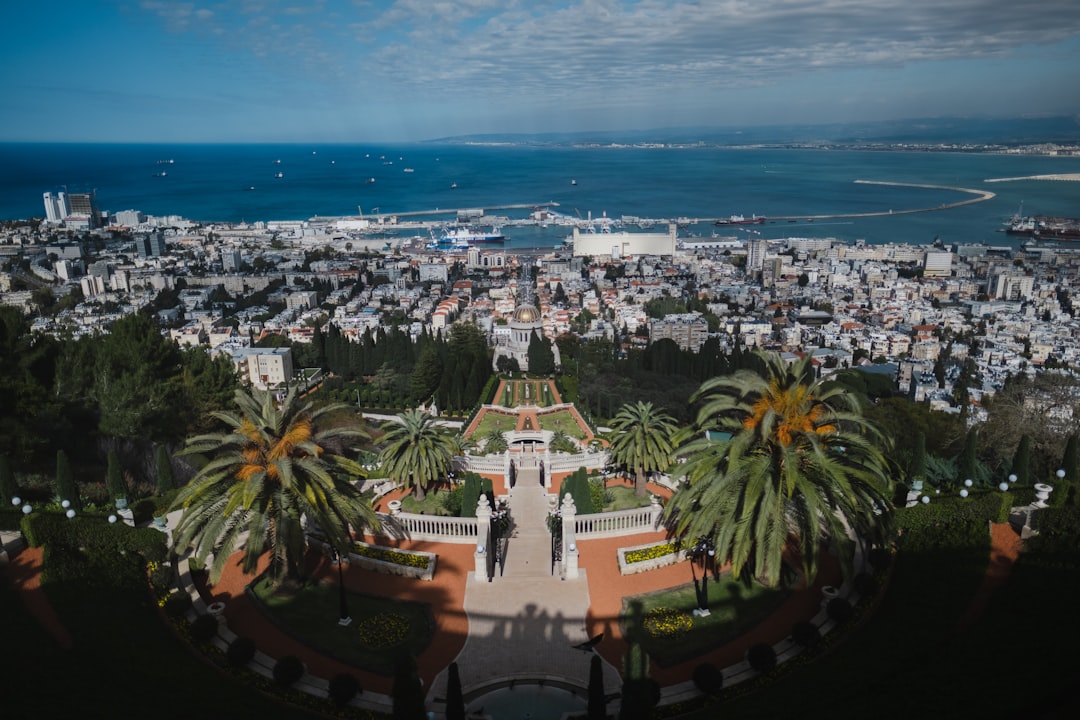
<point x="968" y="459"/>
<point x="114" y="482"/>
<point x="918" y="458"/>
<point x="470" y="494"/>
<point x="65" y="480"/>
<point x="1069" y="464"/>
<point x="407" y="693"/>
<point x="597" y="708"/>
<point x="8" y="488"/>
<point x="1021" y="463"/>
<point x="165" y="481"/>
<point x="455" y="701"/>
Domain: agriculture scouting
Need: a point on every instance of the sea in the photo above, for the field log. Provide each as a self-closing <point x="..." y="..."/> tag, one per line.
<point x="248" y="183"/>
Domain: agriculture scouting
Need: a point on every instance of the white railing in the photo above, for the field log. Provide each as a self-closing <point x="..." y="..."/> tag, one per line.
<point x="616" y="524"/>
<point x="561" y="462"/>
<point x="436" y="528"/>
<point x="491" y="464"/>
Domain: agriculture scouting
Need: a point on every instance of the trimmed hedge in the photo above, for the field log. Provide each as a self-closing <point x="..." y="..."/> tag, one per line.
<point x="240" y="652"/>
<point x="993" y="506"/>
<point x="708" y="679"/>
<point x="288" y="670"/>
<point x="761" y="657"/>
<point x="805" y="634"/>
<point x="343" y="688"/>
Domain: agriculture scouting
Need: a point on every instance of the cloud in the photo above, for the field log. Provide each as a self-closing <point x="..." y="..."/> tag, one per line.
<point x="585" y="48"/>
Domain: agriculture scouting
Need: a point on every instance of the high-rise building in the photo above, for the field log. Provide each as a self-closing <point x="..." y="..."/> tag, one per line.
<point x="83" y="206"/>
<point x="150" y="245"/>
<point x="231" y="260"/>
<point x="756" y="250"/>
<point x="56" y="207"/>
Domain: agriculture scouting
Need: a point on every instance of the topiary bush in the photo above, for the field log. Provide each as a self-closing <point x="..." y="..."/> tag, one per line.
<point x="708" y="678"/>
<point x="288" y="670"/>
<point x="761" y="657"/>
<point x="204" y="628"/>
<point x="806" y="634"/>
<point x="177" y="605"/>
<point x="838" y="610"/>
<point x="343" y="688"/>
<point x="240" y="652"/>
<point x="864" y="584"/>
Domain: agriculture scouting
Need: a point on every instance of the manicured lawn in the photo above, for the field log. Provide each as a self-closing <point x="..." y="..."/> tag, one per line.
<point x="539" y="393"/>
<point x="733" y="610"/>
<point x="434" y="502"/>
<point x="561" y="420"/>
<point x="382" y="628"/>
<point x="494" y="421"/>
<point x="623" y="498"/>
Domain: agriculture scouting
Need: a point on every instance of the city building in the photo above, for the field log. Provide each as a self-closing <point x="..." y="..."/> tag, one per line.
<point x="688" y="330"/>
<point x="264" y="367"/>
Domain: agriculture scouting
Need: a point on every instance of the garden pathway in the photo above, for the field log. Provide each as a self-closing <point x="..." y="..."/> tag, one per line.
<point x="25" y="572"/>
<point x="1005" y="546"/>
<point x="524" y="623"/>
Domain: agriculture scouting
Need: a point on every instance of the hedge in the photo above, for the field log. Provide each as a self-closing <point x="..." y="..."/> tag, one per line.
<point x="993" y="506"/>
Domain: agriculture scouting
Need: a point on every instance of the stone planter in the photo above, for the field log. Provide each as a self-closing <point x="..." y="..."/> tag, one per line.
<point x="1042" y="493"/>
<point x="631" y="568"/>
<point x="394" y="506"/>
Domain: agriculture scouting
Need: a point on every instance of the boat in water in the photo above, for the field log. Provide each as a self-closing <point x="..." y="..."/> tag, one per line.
<point x="740" y="220"/>
<point x="1041" y="227"/>
<point x="463" y="238"/>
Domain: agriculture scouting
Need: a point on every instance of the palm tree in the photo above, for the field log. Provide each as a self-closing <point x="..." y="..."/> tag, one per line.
<point x="273" y="469"/>
<point x="782" y="463"/>
<point x="417" y="451"/>
<point x="563" y="443"/>
<point x="495" y="442"/>
<point x="642" y="441"/>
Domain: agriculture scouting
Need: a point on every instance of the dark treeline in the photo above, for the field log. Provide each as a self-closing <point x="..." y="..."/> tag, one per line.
<point x="129" y="389"/>
<point x="391" y="370"/>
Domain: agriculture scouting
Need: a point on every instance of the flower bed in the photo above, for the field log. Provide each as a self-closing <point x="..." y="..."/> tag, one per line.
<point x="640" y="558"/>
<point x="392" y="561"/>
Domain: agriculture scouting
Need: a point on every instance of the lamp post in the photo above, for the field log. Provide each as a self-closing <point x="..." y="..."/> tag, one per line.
<point x="703" y="549"/>
<point x="344" y="619"/>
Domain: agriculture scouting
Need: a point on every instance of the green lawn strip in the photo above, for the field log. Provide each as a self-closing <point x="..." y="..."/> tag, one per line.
<point x="372" y="642"/>
<point x="433" y="503"/>
<point x="494" y="421"/>
<point x="561" y="420"/>
<point x="623" y="498"/>
<point x="733" y="610"/>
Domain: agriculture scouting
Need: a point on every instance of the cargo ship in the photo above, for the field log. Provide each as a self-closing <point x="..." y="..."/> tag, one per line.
<point x="1044" y="228"/>
<point x="740" y="220"/>
<point x="464" y="238"/>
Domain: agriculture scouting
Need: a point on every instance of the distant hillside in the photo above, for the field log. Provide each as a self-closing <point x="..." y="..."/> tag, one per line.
<point x="995" y="131"/>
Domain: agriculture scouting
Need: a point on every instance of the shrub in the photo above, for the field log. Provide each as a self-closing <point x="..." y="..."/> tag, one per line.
<point x="470" y="494"/>
<point x="177" y="605"/>
<point x="708" y="678"/>
<point x="343" y="688"/>
<point x="288" y="670"/>
<point x="864" y="584"/>
<point x="879" y="558"/>
<point x="805" y="634"/>
<point x="240" y="652"/>
<point x="204" y="628"/>
<point x="838" y="610"/>
<point x="761" y="657"/>
<point x="451" y="501"/>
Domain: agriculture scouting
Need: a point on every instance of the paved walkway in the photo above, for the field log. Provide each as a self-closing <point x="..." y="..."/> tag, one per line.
<point x="525" y="622"/>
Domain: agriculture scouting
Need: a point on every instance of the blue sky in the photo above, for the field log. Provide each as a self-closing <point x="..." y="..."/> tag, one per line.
<point x="405" y="70"/>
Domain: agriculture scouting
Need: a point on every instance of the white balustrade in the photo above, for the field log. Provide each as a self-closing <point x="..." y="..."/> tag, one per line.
<point x="616" y="524"/>
<point x="438" y="528"/>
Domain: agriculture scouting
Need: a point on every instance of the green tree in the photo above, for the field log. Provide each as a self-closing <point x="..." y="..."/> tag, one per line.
<point x="416" y="452"/>
<point x="1021" y="462"/>
<point x="495" y="443"/>
<point x="541" y="356"/>
<point x="969" y="458"/>
<point x="455" y="700"/>
<point x="561" y="442"/>
<point x="642" y="441"/>
<point x="917" y="470"/>
<point x="426" y="374"/>
<point x="165" y="481"/>
<point x="114" y="481"/>
<point x="597" y="707"/>
<point x="780" y="464"/>
<point x="137" y="381"/>
<point x="276" y="465"/>
<point x="8" y="488"/>
<point x="407" y="693"/>
<point x="65" y="479"/>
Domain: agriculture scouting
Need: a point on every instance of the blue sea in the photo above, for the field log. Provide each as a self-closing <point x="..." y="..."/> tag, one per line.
<point x="239" y="183"/>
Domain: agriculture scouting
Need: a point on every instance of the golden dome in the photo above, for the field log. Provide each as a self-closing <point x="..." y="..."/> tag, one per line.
<point x="526" y="314"/>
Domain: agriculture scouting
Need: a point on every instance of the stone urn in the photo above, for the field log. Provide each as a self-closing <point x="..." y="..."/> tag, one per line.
<point x="395" y="507"/>
<point x="1042" y="493"/>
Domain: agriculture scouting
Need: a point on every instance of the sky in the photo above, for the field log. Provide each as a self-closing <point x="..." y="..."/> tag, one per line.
<point x="410" y="70"/>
